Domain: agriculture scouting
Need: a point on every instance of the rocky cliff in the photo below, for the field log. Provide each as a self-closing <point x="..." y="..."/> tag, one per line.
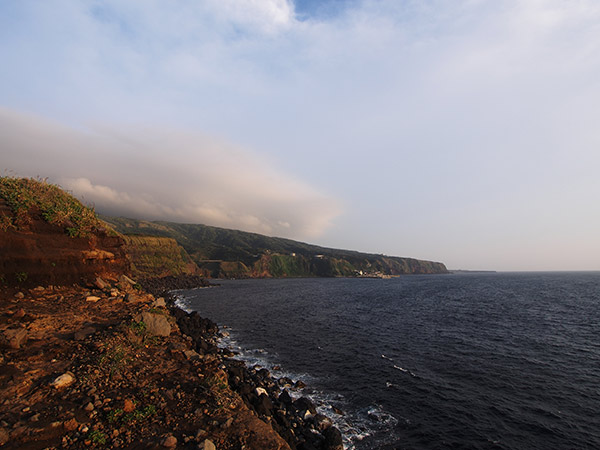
<point x="223" y="253"/>
<point x="154" y="256"/>
<point x="90" y="360"/>
<point x="48" y="237"/>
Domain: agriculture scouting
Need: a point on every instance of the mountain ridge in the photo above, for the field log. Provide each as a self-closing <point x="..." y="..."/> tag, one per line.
<point x="225" y="253"/>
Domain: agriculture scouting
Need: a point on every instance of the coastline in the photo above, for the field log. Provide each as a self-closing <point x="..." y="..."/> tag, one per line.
<point x="116" y="366"/>
<point x="296" y="420"/>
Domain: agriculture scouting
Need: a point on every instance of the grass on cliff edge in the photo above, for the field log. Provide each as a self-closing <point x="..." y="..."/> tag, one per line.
<point x="24" y="195"/>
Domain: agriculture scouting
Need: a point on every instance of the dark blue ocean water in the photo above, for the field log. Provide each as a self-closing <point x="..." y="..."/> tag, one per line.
<point x="465" y="361"/>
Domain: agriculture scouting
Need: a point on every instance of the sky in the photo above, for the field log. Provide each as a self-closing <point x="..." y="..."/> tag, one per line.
<point x="464" y="131"/>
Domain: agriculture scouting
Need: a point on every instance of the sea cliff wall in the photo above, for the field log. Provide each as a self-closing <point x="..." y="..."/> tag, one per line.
<point x="223" y="253"/>
<point x="39" y="252"/>
<point x="155" y="256"/>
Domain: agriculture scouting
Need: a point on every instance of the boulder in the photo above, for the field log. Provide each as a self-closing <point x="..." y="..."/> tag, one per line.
<point x="192" y="355"/>
<point x="260" y="391"/>
<point x="15" y="338"/>
<point x="169" y="442"/>
<point x="207" y="445"/>
<point x="159" y="302"/>
<point x="263" y="405"/>
<point x="333" y="439"/>
<point x="63" y="380"/>
<point x="4" y="436"/>
<point x="285" y="398"/>
<point x="92" y="298"/>
<point x="71" y="424"/>
<point x="322" y="422"/>
<point x="156" y="324"/>
<point x="338" y="411"/>
<point x="83" y="333"/>
<point x="128" y="405"/>
<point x="285" y="382"/>
<point x="304" y="404"/>
<point x="299" y="384"/>
<point x="101" y="284"/>
<point x="126" y="280"/>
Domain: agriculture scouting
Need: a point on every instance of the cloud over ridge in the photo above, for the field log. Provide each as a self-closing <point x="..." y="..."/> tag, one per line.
<point x="166" y="174"/>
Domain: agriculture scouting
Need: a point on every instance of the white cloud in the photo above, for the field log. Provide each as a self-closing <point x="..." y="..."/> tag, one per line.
<point x="156" y="173"/>
<point x="414" y="113"/>
<point x="265" y="15"/>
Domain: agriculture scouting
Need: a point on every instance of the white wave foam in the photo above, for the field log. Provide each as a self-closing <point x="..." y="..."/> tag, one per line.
<point x="402" y="369"/>
<point x="182" y="303"/>
<point x="354" y="425"/>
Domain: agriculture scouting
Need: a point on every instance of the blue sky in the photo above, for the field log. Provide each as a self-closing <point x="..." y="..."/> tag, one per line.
<point x="465" y="132"/>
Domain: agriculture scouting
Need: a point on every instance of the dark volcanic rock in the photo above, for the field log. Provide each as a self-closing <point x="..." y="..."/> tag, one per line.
<point x="333" y="439"/>
<point x="296" y="421"/>
<point x="159" y="286"/>
<point x="304" y="404"/>
<point x="263" y="405"/>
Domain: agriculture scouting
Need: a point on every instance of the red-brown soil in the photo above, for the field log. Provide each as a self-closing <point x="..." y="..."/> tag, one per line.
<point x="43" y="253"/>
<point x="130" y="390"/>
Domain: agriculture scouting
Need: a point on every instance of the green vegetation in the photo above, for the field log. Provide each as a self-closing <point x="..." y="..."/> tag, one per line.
<point x="138" y="328"/>
<point x="219" y="252"/>
<point x="120" y="417"/>
<point x="157" y="256"/>
<point x="115" y="359"/>
<point x="27" y="196"/>
<point x="21" y="277"/>
<point x="97" y="437"/>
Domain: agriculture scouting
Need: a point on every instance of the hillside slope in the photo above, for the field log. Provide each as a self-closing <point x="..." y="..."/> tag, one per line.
<point x="231" y="253"/>
<point x="155" y="256"/>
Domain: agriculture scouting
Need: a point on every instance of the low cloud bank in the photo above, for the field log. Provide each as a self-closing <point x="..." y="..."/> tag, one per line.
<point x="165" y="174"/>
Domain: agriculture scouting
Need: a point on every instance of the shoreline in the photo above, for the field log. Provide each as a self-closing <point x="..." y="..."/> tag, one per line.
<point x="296" y="420"/>
<point x="115" y="366"/>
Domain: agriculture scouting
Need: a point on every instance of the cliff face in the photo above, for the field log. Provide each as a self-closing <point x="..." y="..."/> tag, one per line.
<point x="48" y="238"/>
<point x="153" y="256"/>
<point x="226" y="253"/>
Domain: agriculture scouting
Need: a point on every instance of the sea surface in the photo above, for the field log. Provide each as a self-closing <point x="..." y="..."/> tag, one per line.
<point x="461" y="361"/>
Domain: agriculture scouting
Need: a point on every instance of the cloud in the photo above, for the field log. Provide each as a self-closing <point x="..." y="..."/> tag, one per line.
<point x="412" y="113"/>
<point x="167" y="174"/>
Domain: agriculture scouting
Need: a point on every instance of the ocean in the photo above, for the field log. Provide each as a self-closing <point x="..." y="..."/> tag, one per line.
<point x="460" y="361"/>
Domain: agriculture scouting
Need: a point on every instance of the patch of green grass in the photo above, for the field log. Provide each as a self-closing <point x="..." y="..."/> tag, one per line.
<point x="21" y="277"/>
<point x="114" y="415"/>
<point x="114" y="359"/>
<point x="214" y="383"/>
<point x="24" y="195"/>
<point x="97" y="437"/>
<point x="6" y="223"/>
<point x="138" y="327"/>
<point x="118" y="416"/>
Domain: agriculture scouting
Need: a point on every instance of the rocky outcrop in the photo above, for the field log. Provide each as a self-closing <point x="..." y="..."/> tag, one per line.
<point x="42" y="253"/>
<point x="48" y="237"/>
